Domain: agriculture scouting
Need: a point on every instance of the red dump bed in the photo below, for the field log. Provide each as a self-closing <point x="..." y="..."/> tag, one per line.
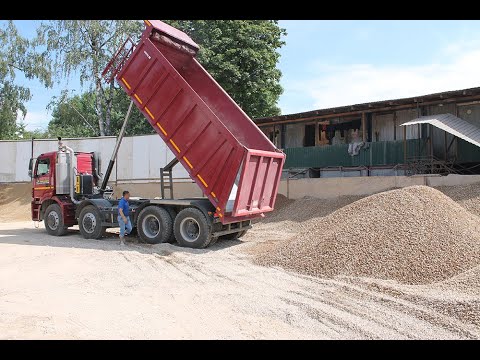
<point x="225" y="153"/>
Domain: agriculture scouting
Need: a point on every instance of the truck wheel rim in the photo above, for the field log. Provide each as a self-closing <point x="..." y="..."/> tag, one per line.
<point x="89" y="223"/>
<point x="190" y="229"/>
<point x="53" y="220"/>
<point x="151" y="226"/>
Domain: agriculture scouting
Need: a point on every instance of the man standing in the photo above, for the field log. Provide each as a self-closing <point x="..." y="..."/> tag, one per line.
<point x="123" y="219"/>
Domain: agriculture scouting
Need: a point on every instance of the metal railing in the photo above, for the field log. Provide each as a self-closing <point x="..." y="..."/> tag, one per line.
<point x="118" y="60"/>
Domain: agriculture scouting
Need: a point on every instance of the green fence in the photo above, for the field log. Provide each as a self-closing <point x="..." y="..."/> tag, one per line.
<point x="372" y="154"/>
<point x="467" y="152"/>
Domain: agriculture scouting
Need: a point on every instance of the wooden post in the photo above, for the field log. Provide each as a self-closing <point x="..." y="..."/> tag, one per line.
<point x="431" y="145"/>
<point x="394" y="125"/>
<point x="445" y="143"/>
<point x="364" y="128"/>
<point x="317" y="133"/>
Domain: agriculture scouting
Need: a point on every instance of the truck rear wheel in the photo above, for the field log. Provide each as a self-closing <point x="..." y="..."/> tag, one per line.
<point x="90" y="223"/>
<point x="192" y="229"/>
<point x="53" y="219"/>
<point x="155" y="225"/>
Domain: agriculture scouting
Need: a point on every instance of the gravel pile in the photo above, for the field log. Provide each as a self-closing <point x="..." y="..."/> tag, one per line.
<point x="466" y="195"/>
<point x="468" y="282"/>
<point x="293" y="216"/>
<point x="415" y="235"/>
<point x="15" y="202"/>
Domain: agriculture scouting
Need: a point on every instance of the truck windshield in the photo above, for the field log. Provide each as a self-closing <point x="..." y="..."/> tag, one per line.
<point x="43" y="167"/>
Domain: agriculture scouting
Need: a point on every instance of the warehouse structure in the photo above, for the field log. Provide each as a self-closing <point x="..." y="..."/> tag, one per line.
<point x="368" y="139"/>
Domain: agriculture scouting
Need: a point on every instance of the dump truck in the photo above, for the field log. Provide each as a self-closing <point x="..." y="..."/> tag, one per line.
<point x="235" y="165"/>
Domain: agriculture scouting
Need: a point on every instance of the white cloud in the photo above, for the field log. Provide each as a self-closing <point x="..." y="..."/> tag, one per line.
<point x="35" y="119"/>
<point x="337" y="85"/>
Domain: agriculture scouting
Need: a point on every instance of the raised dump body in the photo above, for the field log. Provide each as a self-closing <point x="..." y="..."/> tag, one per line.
<point x="227" y="155"/>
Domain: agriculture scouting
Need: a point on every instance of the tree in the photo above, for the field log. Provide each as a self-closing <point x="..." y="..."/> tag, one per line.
<point x="86" y="46"/>
<point x="17" y="54"/>
<point x="242" y="55"/>
<point x="74" y="116"/>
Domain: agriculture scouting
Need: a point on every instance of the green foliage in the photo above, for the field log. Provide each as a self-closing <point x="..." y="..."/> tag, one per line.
<point x="17" y="54"/>
<point x="75" y="116"/>
<point x="242" y="55"/>
<point x="86" y="46"/>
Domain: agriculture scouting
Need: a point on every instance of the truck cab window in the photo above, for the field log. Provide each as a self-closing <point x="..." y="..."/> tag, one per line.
<point x="43" y="167"/>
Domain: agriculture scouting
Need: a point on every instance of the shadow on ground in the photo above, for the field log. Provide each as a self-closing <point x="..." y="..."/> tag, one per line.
<point x="73" y="239"/>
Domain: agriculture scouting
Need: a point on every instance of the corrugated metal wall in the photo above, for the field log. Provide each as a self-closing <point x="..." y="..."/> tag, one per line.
<point x="465" y="151"/>
<point x="294" y="135"/>
<point x="384" y="126"/>
<point x="373" y="154"/>
<point x="438" y="135"/>
<point x="402" y="117"/>
<point x="470" y="113"/>
<point x="139" y="157"/>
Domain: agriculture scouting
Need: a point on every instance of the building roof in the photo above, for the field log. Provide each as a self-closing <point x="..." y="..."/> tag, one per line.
<point x="386" y="105"/>
<point x="451" y="124"/>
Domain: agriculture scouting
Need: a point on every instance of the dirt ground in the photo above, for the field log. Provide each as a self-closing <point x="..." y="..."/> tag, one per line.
<point x="72" y="288"/>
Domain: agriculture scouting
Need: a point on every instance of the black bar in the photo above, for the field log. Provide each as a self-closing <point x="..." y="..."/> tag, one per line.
<point x="107" y="175"/>
<point x="170" y="165"/>
<point x="231" y="231"/>
<point x="167" y="170"/>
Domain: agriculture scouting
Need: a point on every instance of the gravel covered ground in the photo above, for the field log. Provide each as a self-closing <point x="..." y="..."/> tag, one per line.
<point x="69" y="287"/>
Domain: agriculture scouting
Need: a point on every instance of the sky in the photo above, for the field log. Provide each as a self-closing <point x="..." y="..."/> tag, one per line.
<point x="327" y="63"/>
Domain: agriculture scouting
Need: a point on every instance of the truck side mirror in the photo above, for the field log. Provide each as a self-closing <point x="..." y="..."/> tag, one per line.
<point x="30" y="167"/>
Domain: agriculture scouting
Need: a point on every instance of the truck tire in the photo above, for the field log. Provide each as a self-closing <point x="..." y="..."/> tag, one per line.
<point x="192" y="229"/>
<point x="90" y="223"/>
<point x="154" y="225"/>
<point x="53" y="219"/>
<point x="173" y="215"/>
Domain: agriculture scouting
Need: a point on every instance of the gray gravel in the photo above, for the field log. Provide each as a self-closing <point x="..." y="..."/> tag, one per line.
<point x="415" y="235"/>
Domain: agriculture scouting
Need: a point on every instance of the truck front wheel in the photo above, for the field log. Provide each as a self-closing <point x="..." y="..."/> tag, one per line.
<point x="90" y="223"/>
<point x="53" y="219"/>
<point x="192" y="229"/>
<point x="155" y="225"/>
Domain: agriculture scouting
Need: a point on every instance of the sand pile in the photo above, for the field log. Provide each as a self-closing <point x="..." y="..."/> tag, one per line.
<point x="15" y="202"/>
<point x="415" y="235"/>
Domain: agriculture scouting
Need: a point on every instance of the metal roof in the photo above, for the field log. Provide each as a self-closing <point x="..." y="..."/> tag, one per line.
<point x="372" y="106"/>
<point x="451" y="124"/>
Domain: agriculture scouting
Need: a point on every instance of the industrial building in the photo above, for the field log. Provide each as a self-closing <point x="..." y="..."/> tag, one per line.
<point x="369" y="139"/>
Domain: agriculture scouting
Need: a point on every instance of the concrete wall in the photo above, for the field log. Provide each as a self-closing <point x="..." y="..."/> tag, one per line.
<point x="322" y="188"/>
<point x="139" y="157"/>
<point x="326" y="188"/>
<point x="151" y="190"/>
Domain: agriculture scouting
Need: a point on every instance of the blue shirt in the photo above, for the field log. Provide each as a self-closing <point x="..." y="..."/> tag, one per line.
<point x="123" y="204"/>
